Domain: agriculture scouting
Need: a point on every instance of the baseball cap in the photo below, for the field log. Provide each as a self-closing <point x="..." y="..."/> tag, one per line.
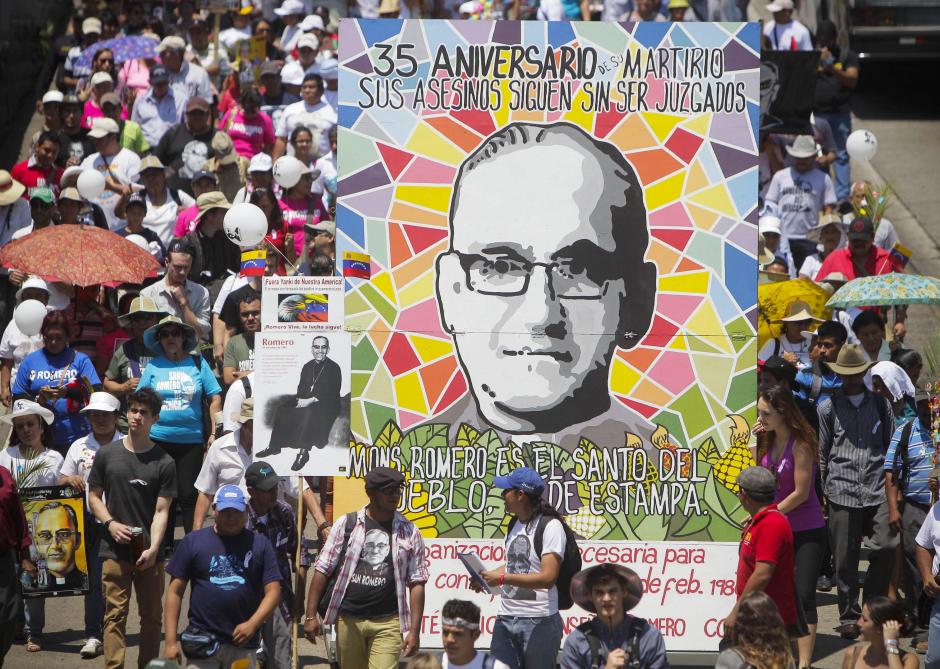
<point x="758" y="481"/>
<point x="102" y="127"/>
<point x="329" y="69"/>
<point x="312" y="22"/>
<point x="525" y="479"/>
<point x="172" y="42"/>
<point x="151" y="162"/>
<point x="260" y="162"/>
<point x="72" y="99"/>
<point x="382" y="477"/>
<point x="779" y="5"/>
<point x="197" y="103"/>
<point x="290" y="7"/>
<point x="101" y="78"/>
<point x="767" y="224"/>
<point x="224" y="149"/>
<point x="42" y="194"/>
<point x="204" y="174"/>
<point x="308" y="42"/>
<point x="110" y="99"/>
<point x="292" y="74"/>
<point x="861" y="228"/>
<point x="136" y="199"/>
<point x="159" y="74"/>
<point x="261" y="475"/>
<point x="269" y="68"/>
<point x="102" y="401"/>
<point x="326" y="226"/>
<point x="52" y="97"/>
<point x="229" y="497"/>
<point x="780" y="368"/>
<point x="91" y="26"/>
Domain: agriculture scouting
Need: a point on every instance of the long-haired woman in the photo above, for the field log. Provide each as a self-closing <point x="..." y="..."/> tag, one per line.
<point x="881" y="623"/>
<point x="787" y="446"/>
<point x="759" y="637"/>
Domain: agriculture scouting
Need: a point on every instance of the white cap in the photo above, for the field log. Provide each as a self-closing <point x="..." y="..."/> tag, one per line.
<point x="101" y="401"/>
<point x="69" y="171"/>
<point x="312" y="22"/>
<point x="172" y="42"/>
<point x="32" y="282"/>
<point x="779" y="5"/>
<point x="260" y="162"/>
<point x="292" y="74"/>
<point x="309" y="41"/>
<point x="103" y="126"/>
<point x="91" y="26"/>
<point x="101" y="78"/>
<point x="52" y="97"/>
<point x="290" y="7"/>
<point x="767" y="224"/>
<point x="328" y="69"/>
<point x="469" y="7"/>
<point x="27" y="408"/>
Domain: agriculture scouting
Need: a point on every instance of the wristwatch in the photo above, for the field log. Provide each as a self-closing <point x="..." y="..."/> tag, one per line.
<point x="108" y="522"/>
<point x="325" y="524"/>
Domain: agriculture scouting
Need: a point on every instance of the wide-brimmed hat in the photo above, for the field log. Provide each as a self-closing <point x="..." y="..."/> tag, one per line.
<point x="151" y="163"/>
<point x="141" y="305"/>
<point x="172" y="42"/>
<point x="212" y="200"/>
<point x="224" y="149"/>
<point x="837" y="279"/>
<point x="804" y="146"/>
<point x="767" y="224"/>
<point x="825" y="220"/>
<point x="851" y="360"/>
<point x="632" y="586"/>
<point x="797" y="311"/>
<point x="71" y="193"/>
<point x="246" y="412"/>
<point x="32" y="282"/>
<point x="152" y="342"/>
<point x="11" y="190"/>
<point x="27" y="408"/>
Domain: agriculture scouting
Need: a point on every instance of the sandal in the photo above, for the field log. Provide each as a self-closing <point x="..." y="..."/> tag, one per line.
<point x="33" y="645"/>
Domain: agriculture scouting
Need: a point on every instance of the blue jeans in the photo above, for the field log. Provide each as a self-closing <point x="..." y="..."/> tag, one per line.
<point x="841" y="123"/>
<point x="94" y="600"/>
<point x="34" y="609"/>
<point x="527" y="643"/>
<point x="932" y="661"/>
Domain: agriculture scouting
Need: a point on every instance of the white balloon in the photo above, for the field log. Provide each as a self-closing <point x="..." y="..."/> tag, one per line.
<point x="245" y="224"/>
<point x="90" y="184"/>
<point x="29" y="316"/>
<point x="862" y="145"/>
<point x="288" y="170"/>
<point x="139" y="241"/>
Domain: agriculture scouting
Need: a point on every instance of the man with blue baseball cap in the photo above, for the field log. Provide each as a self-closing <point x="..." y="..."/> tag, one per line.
<point x="235" y="589"/>
<point x="528" y="629"/>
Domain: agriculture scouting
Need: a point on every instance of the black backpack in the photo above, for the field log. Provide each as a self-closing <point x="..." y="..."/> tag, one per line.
<point x="570" y="561"/>
<point x="633" y="644"/>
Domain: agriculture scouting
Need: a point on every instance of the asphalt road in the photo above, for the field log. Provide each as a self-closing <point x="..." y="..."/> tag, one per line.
<point x="897" y="104"/>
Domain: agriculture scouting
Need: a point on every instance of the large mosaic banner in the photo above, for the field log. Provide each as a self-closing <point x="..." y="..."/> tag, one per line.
<point x="560" y="226"/>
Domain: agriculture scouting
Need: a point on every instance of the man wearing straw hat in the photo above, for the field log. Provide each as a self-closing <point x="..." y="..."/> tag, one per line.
<point x="216" y="256"/>
<point x="14" y="216"/>
<point x="792" y="344"/>
<point x="613" y="638"/>
<point x="855" y="429"/>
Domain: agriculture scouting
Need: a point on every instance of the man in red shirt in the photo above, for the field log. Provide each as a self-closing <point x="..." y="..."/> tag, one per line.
<point x="861" y="257"/>
<point x="39" y="170"/>
<point x="765" y="556"/>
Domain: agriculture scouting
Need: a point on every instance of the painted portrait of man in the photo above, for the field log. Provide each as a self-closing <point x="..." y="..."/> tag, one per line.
<point x="544" y="279"/>
<point x="58" y="538"/>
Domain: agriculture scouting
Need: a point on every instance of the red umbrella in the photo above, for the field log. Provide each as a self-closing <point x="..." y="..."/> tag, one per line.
<point x="80" y="254"/>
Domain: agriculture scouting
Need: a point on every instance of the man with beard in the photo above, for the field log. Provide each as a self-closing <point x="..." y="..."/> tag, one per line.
<point x="307" y="424"/>
<point x="239" y="358"/>
<point x="75" y="144"/>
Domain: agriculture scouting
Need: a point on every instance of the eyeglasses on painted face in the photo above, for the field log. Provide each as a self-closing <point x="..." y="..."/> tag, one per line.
<point x="508" y="276"/>
<point x="45" y="538"/>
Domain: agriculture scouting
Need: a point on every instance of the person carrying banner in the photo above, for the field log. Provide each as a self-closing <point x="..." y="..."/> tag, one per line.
<point x="528" y="629"/>
<point x="370" y="576"/>
<point x="102" y="412"/>
<point x="613" y="638"/>
<point x="460" y="628"/>
<point x="138" y="479"/>
<point x="14" y="556"/>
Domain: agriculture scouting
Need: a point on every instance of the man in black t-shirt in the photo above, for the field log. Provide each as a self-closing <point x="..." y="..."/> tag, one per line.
<point x="836" y="78"/>
<point x="138" y="479"/>
<point x="75" y="145"/>
<point x="186" y="147"/>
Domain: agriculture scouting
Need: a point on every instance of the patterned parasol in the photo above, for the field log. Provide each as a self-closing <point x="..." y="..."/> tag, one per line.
<point x="80" y="254"/>
<point x="124" y="49"/>
<point x="886" y="290"/>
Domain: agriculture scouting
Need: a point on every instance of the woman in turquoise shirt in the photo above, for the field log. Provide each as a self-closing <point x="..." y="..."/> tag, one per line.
<point x="186" y="383"/>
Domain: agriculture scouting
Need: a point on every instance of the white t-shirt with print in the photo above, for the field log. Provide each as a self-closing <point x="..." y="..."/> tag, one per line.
<point x="162" y="219"/>
<point x="798" y="198"/>
<point x="81" y="455"/>
<point x="929" y="535"/>
<point x="320" y="116"/>
<point x="46" y="473"/>
<point x="475" y="663"/>
<point x="15" y="346"/>
<point x="123" y="167"/>
<point x="521" y="559"/>
<point x="800" y="350"/>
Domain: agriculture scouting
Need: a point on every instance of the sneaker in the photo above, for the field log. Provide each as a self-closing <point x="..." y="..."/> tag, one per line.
<point x="824" y="584"/>
<point x="92" y="648"/>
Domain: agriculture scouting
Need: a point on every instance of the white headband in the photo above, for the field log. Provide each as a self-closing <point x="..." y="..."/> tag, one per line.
<point x="460" y="622"/>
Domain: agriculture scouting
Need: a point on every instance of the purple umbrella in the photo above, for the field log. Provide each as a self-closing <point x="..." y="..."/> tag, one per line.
<point x="124" y="49"/>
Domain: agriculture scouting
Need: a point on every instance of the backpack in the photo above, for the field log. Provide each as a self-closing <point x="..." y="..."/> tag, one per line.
<point x="570" y="561"/>
<point x="633" y="644"/>
<point x="901" y="472"/>
<point x="327" y="596"/>
<point x="246" y="384"/>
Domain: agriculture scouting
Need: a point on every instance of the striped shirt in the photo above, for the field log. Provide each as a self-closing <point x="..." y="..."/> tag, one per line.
<point x="853" y="442"/>
<point x="918" y="463"/>
<point x="408" y="552"/>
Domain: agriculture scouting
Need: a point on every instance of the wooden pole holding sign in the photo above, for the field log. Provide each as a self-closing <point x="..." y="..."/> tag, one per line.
<point x="298" y="583"/>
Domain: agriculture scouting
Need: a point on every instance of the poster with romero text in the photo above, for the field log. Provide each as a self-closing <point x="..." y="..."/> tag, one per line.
<point x="560" y="224"/>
